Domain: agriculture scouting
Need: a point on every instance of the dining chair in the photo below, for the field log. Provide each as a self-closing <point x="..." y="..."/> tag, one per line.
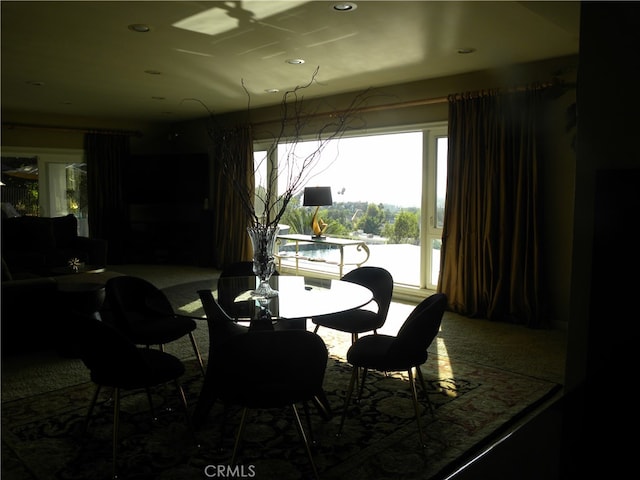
<point x="142" y="312"/>
<point x="221" y="327"/>
<point x="380" y="282"/>
<point x="406" y="351"/>
<point x="115" y="361"/>
<point x="285" y="366"/>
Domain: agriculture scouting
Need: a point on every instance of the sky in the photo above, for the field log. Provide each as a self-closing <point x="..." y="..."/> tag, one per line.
<point x="376" y="169"/>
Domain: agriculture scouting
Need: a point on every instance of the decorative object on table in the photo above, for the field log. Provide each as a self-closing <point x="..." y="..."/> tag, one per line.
<point x="265" y="206"/>
<point x="263" y="239"/>
<point x="317" y="197"/>
<point x="75" y="264"/>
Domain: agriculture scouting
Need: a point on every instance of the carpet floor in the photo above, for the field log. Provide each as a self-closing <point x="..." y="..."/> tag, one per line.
<point x="42" y="435"/>
<point x="479" y="383"/>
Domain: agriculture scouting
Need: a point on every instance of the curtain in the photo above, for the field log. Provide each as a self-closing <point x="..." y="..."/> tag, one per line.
<point x="106" y="156"/>
<point x="491" y="257"/>
<point x="232" y="154"/>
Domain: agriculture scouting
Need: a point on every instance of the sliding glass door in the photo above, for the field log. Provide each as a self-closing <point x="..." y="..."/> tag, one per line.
<point x="46" y="183"/>
<point x="387" y="189"/>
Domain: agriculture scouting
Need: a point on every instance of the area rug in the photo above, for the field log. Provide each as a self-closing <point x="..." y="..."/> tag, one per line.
<point x="43" y="438"/>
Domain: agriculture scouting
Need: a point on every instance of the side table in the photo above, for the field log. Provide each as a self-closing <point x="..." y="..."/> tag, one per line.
<point x="81" y="298"/>
<point x="341" y="243"/>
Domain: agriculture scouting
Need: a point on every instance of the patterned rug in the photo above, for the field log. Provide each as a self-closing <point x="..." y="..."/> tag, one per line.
<point x="42" y="435"/>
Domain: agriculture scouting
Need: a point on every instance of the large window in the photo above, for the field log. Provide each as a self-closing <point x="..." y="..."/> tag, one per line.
<point x="46" y="183"/>
<point x="388" y="188"/>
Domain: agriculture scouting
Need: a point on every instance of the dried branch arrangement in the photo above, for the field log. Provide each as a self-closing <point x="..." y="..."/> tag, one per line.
<point x="298" y="118"/>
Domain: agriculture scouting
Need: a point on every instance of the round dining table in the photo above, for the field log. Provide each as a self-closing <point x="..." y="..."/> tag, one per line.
<point x="299" y="298"/>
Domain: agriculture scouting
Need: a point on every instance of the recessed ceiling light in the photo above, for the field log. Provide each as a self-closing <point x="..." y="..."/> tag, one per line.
<point x="465" y="51"/>
<point x="295" y="61"/>
<point x="344" y="7"/>
<point x="272" y="90"/>
<point x="139" y="27"/>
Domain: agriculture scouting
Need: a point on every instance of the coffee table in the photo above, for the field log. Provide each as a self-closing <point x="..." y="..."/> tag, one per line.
<point x="83" y="269"/>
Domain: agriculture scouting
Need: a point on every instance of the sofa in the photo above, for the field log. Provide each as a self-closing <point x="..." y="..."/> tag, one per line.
<point x="33" y="246"/>
<point x="30" y="310"/>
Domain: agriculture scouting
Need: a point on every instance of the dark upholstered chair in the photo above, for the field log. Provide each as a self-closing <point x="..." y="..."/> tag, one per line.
<point x="221" y="328"/>
<point x="270" y="369"/>
<point x="115" y="362"/>
<point x="142" y="312"/>
<point x="404" y="352"/>
<point x="380" y="282"/>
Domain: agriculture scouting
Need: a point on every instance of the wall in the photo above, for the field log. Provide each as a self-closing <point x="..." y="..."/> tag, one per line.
<point x="409" y="104"/>
<point x="601" y="359"/>
<point x="65" y="132"/>
<point x="607" y="140"/>
<point x="406" y="104"/>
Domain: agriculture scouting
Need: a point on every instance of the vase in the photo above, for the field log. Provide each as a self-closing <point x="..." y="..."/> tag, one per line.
<point x="263" y="240"/>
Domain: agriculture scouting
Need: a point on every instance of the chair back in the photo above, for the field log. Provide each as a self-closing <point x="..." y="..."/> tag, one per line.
<point x="129" y="298"/>
<point x="111" y="357"/>
<point x="221" y="326"/>
<point x="379" y="281"/>
<point x="269" y="369"/>
<point x="419" y="330"/>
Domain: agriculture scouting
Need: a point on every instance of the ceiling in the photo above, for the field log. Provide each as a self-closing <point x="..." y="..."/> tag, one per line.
<point x="80" y="58"/>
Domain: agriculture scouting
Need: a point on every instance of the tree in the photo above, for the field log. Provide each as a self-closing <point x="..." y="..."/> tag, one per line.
<point x="373" y="220"/>
<point x="405" y="228"/>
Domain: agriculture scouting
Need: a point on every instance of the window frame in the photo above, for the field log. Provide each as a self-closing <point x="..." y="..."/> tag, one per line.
<point x="428" y="207"/>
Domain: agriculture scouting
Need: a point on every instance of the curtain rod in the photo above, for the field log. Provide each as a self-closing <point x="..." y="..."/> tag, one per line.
<point x="373" y="108"/>
<point x="417" y="103"/>
<point x="10" y="125"/>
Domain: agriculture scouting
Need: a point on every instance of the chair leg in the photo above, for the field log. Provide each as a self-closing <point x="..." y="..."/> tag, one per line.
<point x="116" y="429"/>
<point x="304" y="439"/>
<point x="322" y="404"/>
<point x="223" y="425"/>
<point x="239" y="436"/>
<point x="92" y="405"/>
<point x="315" y="330"/>
<point x="361" y="389"/>
<point x="185" y="405"/>
<point x="151" y="408"/>
<point x="416" y="406"/>
<point x="307" y="414"/>
<point x="424" y="389"/>
<point x="194" y="344"/>
<point x="352" y="382"/>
